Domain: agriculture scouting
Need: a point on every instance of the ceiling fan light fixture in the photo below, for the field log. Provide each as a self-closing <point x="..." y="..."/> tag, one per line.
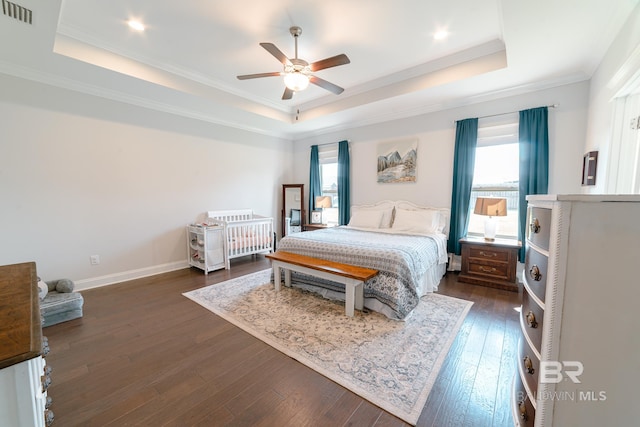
<point x="296" y="76"/>
<point x="296" y="81"/>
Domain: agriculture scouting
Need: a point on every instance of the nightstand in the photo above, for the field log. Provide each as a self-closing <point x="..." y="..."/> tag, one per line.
<point x="490" y="264"/>
<point x="312" y="227"/>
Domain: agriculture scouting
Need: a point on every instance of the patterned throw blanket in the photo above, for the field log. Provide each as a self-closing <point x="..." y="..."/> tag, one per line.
<point x="400" y="259"/>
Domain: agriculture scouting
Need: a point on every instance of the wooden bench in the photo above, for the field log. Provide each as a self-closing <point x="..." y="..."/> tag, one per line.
<point x="353" y="277"/>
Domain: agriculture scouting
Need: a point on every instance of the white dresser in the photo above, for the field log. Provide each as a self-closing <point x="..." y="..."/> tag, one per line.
<point x="23" y="388"/>
<point x="579" y="357"/>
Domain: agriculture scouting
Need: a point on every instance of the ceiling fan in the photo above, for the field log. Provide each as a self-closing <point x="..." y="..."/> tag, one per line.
<point x="298" y="72"/>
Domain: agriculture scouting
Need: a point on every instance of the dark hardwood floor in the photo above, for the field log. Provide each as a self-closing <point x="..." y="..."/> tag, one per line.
<point x="144" y="355"/>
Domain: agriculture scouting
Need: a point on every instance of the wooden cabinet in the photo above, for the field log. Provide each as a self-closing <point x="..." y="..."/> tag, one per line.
<point x="579" y="347"/>
<point x="490" y="264"/>
<point x="207" y="248"/>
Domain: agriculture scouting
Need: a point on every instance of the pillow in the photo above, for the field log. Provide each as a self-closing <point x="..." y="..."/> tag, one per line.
<point x="64" y="286"/>
<point x="43" y="289"/>
<point x="418" y="221"/>
<point x="387" y="217"/>
<point x="443" y="223"/>
<point x="366" y="219"/>
<point x="387" y="214"/>
<point x="443" y="218"/>
<point x="51" y="285"/>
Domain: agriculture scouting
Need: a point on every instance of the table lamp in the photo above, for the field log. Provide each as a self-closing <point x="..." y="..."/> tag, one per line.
<point x="323" y="202"/>
<point x="490" y="207"/>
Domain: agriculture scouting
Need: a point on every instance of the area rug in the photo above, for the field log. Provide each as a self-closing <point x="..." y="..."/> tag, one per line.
<point x="393" y="364"/>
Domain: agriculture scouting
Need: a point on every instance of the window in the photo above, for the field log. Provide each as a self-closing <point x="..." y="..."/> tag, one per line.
<point x="496" y="174"/>
<point x="328" y="159"/>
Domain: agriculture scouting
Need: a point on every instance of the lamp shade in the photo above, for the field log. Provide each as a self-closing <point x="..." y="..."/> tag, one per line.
<point x="491" y="206"/>
<point x="323" y="202"/>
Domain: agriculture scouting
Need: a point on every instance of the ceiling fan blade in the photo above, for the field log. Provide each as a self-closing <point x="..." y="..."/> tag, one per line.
<point x="334" y="61"/>
<point x="273" y="50"/>
<point x="326" y="85"/>
<point x="288" y="93"/>
<point x="257" y="76"/>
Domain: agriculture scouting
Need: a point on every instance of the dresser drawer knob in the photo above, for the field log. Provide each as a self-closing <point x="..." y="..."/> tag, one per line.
<point x="523" y="410"/>
<point x="535" y="226"/>
<point x="45" y="346"/>
<point x="531" y="320"/>
<point x="535" y="273"/>
<point x="48" y="417"/>
<point x="46" y="382"/>
<point x="528" y="365"/>
<point x="487" y="269"/>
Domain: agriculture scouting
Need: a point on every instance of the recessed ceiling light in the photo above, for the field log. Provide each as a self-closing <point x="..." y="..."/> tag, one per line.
<point x="440" y="35"/>
<point x="136" y="25"/>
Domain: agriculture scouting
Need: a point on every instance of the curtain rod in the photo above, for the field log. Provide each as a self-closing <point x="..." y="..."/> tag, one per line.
<point x="328" y="143"/>
<point x="504" y="114"/>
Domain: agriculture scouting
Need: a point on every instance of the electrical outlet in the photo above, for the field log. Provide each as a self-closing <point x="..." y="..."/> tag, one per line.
<point x="94" y="259"/>
<point x="634" y="123"/>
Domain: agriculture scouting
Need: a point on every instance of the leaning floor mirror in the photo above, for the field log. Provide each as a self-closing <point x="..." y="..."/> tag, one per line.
<point x="293" y="212"/>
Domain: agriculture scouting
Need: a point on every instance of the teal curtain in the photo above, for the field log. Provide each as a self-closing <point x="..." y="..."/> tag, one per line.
<point x="533" y="136"/>
<point x="344" y="191"/>
<point x="315" y="183"/>
<point x="464" y="158"/>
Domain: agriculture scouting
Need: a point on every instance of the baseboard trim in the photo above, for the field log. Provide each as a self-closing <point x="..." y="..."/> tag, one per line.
<point x="110" y="279"/>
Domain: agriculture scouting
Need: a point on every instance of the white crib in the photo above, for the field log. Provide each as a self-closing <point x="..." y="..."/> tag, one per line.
<point x="246" y="232"/>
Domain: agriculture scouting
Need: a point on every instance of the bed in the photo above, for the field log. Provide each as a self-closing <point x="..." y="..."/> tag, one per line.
<point x="246" y="233"/>
<point x="405" y="242"/>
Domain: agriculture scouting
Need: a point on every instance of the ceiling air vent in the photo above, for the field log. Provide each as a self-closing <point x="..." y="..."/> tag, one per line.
<point x="16" y="11"/>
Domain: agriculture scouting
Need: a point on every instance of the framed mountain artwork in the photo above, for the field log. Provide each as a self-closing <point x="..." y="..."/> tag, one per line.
<point x="397" y="161"/>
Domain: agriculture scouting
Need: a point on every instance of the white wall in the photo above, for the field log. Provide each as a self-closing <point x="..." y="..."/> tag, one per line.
<point x="619" y="64"/>
<point x="81" y="175"/>
<point x="436" y="138"/>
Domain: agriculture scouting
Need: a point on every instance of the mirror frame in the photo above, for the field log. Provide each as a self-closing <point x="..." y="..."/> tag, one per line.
<point x="284" y="206"/>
